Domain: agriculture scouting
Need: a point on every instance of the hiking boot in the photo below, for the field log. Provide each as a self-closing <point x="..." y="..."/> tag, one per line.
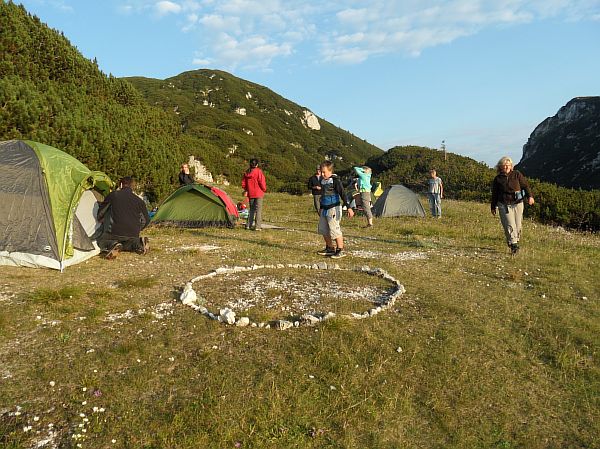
<point x="114" y="251"/>
<point x="326" y="252"/>
<point x="145" y="246"/>
<point x="514" y="249"/>
<point x="339" y="253"/>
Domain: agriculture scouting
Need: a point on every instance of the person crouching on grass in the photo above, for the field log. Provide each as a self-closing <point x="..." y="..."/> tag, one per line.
<point x="332" y="193"/>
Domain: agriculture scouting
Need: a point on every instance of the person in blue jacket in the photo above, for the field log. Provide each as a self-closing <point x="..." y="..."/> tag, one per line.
<point x="364" y="188"/>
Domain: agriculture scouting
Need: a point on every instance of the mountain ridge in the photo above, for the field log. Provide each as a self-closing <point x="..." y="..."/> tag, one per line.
<point x="565" y="148"/>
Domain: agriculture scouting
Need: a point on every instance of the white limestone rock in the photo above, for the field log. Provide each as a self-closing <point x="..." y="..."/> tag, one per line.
<point x="310" y="120"/>
<point x="283" y="325"/>
<point x="188" y="296"/>
<point x="227" y="316"/>
<point x="243" y="322"/>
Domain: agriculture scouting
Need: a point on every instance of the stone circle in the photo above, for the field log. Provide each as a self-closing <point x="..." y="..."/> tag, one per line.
<point x="227" y="316"/>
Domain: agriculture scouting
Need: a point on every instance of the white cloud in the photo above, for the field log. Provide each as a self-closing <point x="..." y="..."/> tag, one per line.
<point x="201" y="62"/>
<point x="234" y="33"/>
<point x="165" y="7"/>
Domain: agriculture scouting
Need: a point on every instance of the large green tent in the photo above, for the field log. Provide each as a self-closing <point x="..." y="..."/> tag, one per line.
<point x="194" y="206"/>
<point x="47" y="206"/>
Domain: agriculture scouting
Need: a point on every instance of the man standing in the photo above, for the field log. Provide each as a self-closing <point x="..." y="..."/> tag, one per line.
<point x="314" y="184"/>
<point x="435" y="192"/>
<point x="123" y="215"/>
<point x="184" y="175"/>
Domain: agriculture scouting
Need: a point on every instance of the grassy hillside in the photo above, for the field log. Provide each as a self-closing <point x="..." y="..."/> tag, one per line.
<point x="482" y="351"/>
<point x="205" y="101"/>
<point x="467" y="179"/>
<point x="50" y="93"/>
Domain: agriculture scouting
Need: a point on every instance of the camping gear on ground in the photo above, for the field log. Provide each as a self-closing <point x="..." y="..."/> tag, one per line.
<point x="398" y="201"/>
<point x="48" y="204"/>
<point x="196" y="206"/>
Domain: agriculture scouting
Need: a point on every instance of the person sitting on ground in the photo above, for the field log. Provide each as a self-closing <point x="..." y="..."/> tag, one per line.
<point x="364" y="188"/>
<point x="123" y="215"/>
<point x="314" y="184"/>
<point x="184" y="175"/>
<point x="332" y="194"/>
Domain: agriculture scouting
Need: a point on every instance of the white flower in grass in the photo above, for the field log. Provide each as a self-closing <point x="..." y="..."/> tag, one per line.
<point x="113" y="441"/>
<point x="95" y="409"/>
<point x="26" y="428"/>
<point x="101" y="409"/>
<point x="52" y="383"/>
<point x="84" y="403"/>
<point x="36" y="418"/>
<point x="84" y="389"/>
<point x="82" y="415"/>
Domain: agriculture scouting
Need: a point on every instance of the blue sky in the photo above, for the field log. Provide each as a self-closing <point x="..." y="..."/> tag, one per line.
<point x="480" y="74"/>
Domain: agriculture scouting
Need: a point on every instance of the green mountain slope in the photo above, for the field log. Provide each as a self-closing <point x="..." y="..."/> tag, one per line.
<point x="50" y="93"/>
<point x="241" y="120"/>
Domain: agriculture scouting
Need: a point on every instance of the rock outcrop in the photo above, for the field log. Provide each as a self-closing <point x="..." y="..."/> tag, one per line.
<point x="565" y="149"/>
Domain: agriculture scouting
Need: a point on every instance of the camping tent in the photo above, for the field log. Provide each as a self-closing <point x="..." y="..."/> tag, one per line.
<point x="397" y="201"/>
<point x="47" y="206"/>
<point x="196" y="206"/>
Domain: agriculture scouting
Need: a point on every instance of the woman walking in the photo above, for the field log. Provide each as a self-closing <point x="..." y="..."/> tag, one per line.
<point x="509" y="189"/>
<point x="255" y="186"/>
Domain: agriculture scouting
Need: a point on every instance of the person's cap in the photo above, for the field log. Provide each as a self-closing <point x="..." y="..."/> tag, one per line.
<point x="318" y="167"/>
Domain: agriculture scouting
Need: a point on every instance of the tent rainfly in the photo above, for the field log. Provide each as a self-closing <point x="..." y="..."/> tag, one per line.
<point x="48" y="204"/>
<point x="196" y="206"/>
<point x="398" y="201"/>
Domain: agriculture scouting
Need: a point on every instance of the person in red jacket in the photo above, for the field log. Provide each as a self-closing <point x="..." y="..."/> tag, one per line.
<point x="255" y="186"/>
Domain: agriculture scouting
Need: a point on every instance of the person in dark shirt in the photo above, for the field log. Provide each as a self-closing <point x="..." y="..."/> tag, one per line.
<point x="510" y="190"/>
<point x="123" y="215"/>
<point x="314" y="184"/>
<point x="184" y="175"/>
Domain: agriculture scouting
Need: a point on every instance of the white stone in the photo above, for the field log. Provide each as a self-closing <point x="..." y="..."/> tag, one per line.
<point x="201" y="173"/>
<point x="284" y="324"/>
<point x="310" y="120"/>
<point x="243" y="322"/>
<point x="188" y="296"/>
<point x="227" y="316"/>
<point x="399" y="349"/>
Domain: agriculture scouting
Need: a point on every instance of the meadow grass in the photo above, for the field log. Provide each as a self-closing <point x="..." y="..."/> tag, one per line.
<point x="482" y="351"/>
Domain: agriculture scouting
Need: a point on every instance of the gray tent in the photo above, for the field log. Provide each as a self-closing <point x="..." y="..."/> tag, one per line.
<point x="398" y="201"/>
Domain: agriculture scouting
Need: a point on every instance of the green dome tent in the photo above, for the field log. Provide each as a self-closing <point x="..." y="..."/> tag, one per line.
<point x="47" y="206"/>
<point x="398" y="201"/>
<point x="196" y="206"/>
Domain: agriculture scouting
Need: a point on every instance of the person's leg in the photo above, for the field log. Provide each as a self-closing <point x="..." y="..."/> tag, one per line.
<point x="132" y="244"/>
<point x="518" y="212"/>
<point x="438" y="205"/>
<point x="323" y="229"/>
<point x="431" y="199"/>
<point x="258" y="218"/>
<point x="251" y="213"/>
<point x="317" y="202"/>
<point x="106" y="241"/>
<point x="507" y="218"/>
<point x="365" y="198"/>
<point x="335" y="234"/>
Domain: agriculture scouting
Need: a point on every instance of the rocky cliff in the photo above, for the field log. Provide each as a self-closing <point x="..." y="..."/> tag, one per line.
<point x="565" y="149"/>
